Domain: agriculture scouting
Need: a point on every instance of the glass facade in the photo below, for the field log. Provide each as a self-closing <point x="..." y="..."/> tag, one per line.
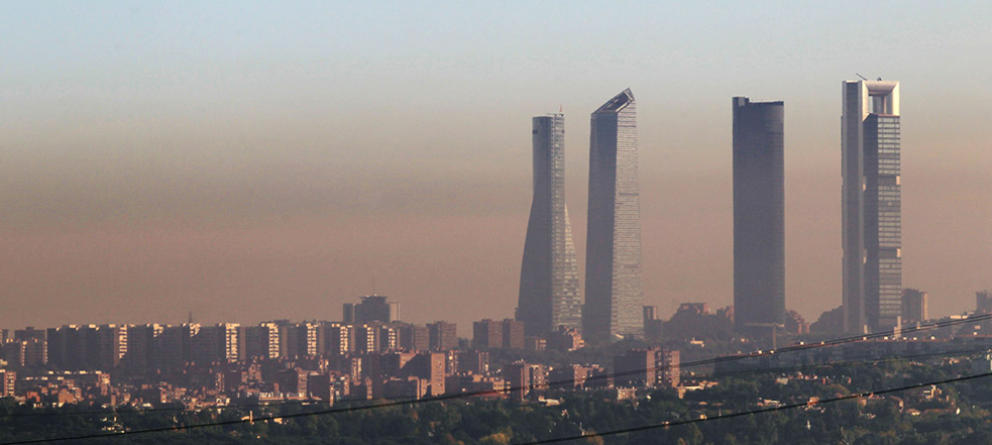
<point x="549" y="279"/>
<point x="613" y="243"/>
<point x="883" y="220"/>
<point x="871" y="203"/>
<point x="759" y="214"/>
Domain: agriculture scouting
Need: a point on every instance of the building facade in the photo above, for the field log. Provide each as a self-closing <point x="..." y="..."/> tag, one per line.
<point x="871" y="205"/>
<point x="613" y="291"/>
<point x="549" y="277"/>
<point x="759" y="214"/>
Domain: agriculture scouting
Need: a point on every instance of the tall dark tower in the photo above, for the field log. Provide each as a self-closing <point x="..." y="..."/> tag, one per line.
<point x="871" y="203"/>
<point x="759" y="215"/>
<point x="549" y="277"/>
<point x="613" y="308"/>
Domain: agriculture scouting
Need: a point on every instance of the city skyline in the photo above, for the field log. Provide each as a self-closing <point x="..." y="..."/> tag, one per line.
<point x="211" y="164"/>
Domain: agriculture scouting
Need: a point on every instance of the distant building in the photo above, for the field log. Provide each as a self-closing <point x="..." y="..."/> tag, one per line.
<point x="443" y="336"/>
<point x="338" y="338"/>
<point x="476" y="362"/>
<point x="669" y="368"/>
<point x="371" y="308"/>
<point x="415" y="338"/>
<point x="647" y="368"/>
<point x="487" y="334"/>
<point x="983" y="302"/>
<point x="652" y="325"/>
<point x="517" y="375"/>
<point x="871" y="205"/>
<point x="8" y="380"/>
<point x="549" y="277"/>
<point x="613" y="291"/>
<point x="759" y="214"/>
<point x="565" y="339"/>
<point x="635" y="367"/>
<point x="513" y="334"/>
<point x="367" y="338"/>
<point x="914" y="305"/>
<point x="795" y="324"/>
<point x="261" y="341"/>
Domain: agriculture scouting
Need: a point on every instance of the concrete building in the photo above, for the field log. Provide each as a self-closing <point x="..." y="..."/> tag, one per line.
<point x="759" y="215"/>
<point x="613" y="291"/>
<point x="871" y="205"/>
<point x="914" y="305"/>
<point x="513" y="334"/>
<point x="549" y="276"/>
<point x="487" y="334"/>
<point x="371" y="308"/>
<point x="443" y="336"/>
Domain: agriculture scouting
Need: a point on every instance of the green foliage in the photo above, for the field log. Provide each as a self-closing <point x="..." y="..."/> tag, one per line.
<point x="879" y="421"/>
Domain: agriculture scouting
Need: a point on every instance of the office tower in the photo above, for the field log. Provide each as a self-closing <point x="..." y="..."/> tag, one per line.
<point x="759" y="215"/>
<point x="613" y="246"/>
<point x="871" y="202"/>
<point x="371" y="308"/>
<point x="549" y="276"/>
<point x="914" y="305"/>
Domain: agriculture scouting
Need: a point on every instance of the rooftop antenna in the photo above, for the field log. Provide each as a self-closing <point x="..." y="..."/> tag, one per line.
<point x="863" y="77"/>
<point x="190" y="317"/>
<point x="560" y="108"/>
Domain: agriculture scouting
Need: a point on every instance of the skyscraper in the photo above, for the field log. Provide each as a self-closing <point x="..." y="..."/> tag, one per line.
<point x="549" y="277"/>
<point x="871" y="205"/>
<point x="613" y="240"/>
<point x="759" y="215"/>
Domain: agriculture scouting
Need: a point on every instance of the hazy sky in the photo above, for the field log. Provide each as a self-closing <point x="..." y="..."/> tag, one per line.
<point x="250" y="161"/>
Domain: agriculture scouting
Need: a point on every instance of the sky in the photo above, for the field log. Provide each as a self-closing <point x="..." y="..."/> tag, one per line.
<point x="247" y="161"/>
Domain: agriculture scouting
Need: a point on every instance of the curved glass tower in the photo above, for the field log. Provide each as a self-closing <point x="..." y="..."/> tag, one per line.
<point x="549" y="277"/>
<point x="613" y="308"/>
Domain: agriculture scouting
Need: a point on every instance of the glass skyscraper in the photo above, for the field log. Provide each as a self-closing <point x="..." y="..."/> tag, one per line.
<point x="759" y="215"/>
<point x="871" y="205"/>
<point x="614" y="297"/>
<point x="549" y="278"/>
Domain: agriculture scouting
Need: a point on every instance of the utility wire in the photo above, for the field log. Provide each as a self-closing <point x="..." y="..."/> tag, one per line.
<point x="495" y="392"/>
<point x="592" y="378"/>
<point x="825" y="343"/>
<point x="758" y="411"/>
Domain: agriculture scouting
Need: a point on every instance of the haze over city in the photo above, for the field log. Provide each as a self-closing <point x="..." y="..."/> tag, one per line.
<point x="250" y="162"/>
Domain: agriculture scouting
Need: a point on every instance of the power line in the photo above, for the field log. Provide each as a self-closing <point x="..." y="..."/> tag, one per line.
<point x="604" y="376"/>
<point x="492" y="392"/>
<point x="793" y="348"/>
<point x="757" y="411"/>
